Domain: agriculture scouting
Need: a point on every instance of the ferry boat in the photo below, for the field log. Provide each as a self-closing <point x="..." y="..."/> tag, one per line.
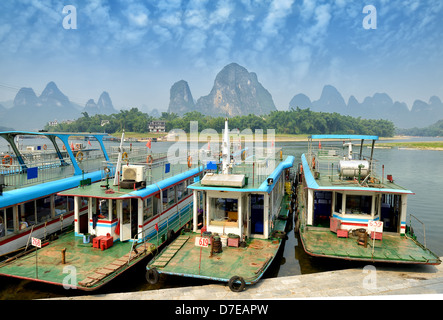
<point x="245" y="208"/>
<point x="34" y="167"/>
<point x="138" y="205"/>
<point x="347" y="209"/>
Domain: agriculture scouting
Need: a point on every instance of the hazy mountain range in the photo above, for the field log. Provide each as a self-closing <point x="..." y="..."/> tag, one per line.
<point x="236" y="91"/>
<point x="379" y="106"/>
<point x="29" y="112"/>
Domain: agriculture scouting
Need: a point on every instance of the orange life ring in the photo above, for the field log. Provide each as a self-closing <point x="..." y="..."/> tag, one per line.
<point x="189" y="161"/>
<point x="149" y="159"/>
<point x="313" y="162"/>
<point x="125" y="156"/>
<point x="79" y="156"/>
<point x="5" y="160"/>
<point x="45" y="147"/>
<point x="243" y="155"/>
<point x="64" y="147"/>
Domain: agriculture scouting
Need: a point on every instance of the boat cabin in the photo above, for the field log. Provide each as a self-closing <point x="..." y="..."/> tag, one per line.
<point x="343" y="189"/>
<point x="127" y="212"/>
<point x="235" y="205"/>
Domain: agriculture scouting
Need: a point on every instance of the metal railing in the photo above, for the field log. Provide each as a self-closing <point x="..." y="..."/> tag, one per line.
<point x="176" y="223"/>
<point x="413" y="231"/>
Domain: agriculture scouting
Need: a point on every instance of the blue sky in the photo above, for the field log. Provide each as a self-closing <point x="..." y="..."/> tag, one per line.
<point x="136" y="50"/>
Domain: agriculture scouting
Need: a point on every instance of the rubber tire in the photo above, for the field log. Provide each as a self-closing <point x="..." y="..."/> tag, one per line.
<point x="279" y="234"/>
<point x="152" y="276"/>
<point x="171" y="235"/>
<point x="234" y="286"/>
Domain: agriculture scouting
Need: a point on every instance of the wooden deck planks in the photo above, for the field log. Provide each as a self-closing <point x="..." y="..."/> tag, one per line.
<point x="170" y="252"/>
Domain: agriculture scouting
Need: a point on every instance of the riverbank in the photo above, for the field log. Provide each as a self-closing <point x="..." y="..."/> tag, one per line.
<point x="384" y="142"/>
<point x="428" y="145"/>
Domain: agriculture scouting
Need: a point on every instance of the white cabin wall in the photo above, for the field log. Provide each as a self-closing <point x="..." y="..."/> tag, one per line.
<point x="310" y="207"/>
<point x="403" y="213"/>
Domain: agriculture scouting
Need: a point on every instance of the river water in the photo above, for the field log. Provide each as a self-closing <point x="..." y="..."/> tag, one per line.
<point x="418" y="170"/>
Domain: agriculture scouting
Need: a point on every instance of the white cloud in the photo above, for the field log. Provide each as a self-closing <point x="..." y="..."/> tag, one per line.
<point x="222" y="12"/>
<point x="278" y="11"/>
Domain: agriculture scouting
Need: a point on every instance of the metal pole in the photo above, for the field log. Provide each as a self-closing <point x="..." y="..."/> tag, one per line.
<point x="36" y="263"/>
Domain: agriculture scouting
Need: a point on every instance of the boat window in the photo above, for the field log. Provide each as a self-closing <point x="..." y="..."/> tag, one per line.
<point x="61" y="205"/>
<point x="168" y="198"/>
<point x="103" y="208"/>
<point x="2" y="223"/>
<point x="26" y="214"/>
<point x="114" y="209"/>
<point x="7" y="221"/>
<point x="181" y="189"/>
<point x="147" y="209"/>
<point x="223" y="210"/>
<point x="357" y="204"/>
<point x="126" y="206"/>
<point x="43" y="209"/>
<point x="338" y="202"/>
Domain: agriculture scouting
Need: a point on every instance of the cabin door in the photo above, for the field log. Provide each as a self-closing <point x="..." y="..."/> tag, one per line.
<point x="257" y="214"/>
<point x="129" y="219"/>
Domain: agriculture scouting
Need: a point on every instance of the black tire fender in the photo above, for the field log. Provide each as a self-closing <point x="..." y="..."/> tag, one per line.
<point x="234" y="286"/>
<point x="170" y="235"/>
<point x="152" y="276"/>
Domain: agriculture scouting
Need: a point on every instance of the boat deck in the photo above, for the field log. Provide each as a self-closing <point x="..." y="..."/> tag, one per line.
<point x="194" y="261"/>
<point x="184" y="258"/>
<point x="93" y="267"/>
<point x="392" y="248"/>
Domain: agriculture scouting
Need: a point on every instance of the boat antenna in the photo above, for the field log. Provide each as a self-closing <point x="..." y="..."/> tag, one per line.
<point x="226" y="158"/>
<point x="119" y="160"/>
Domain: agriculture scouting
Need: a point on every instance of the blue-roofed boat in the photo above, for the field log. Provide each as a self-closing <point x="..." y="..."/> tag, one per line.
<point x="348" y="209"/>
<point x="138" y="203"/>
<point x="245" y="205"/>
<point x="35" y="166"/>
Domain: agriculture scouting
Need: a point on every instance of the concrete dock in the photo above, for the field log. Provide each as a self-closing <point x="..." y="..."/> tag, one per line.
<point x="419" y="282"/>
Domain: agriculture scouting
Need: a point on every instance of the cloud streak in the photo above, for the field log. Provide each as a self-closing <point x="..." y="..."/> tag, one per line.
<point x="285" y="39"/>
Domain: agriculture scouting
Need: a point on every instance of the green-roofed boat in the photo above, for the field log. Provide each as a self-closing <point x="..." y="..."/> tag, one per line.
<point x="347" y="209"/>
<point x="134" y="204"/>
<point x="246" y="203"/>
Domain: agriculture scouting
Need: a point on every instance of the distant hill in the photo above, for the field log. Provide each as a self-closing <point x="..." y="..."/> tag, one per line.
<point x="235" y="92"/>
<point x="103" y="106"/>
<point x="434" y="130"/>
<point x="181" y="100"/>
<point x="379" y="106"/>
<point x="32" y="113"/>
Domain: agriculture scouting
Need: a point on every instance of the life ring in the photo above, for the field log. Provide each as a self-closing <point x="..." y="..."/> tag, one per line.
<point x="64" y="147"/>
<point x="189" y="161"/>
<point x="149" y="159"/>
<point x="125" y="156"/>
<point x="5" y="160"/>
<point x="152" y="276"/>
<point x="45" y="147"/>
<point x="243" y="155"/>
<point x="313" y="162"/>
<point x="79" y="156"/>
<point x="234" y="286"/>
